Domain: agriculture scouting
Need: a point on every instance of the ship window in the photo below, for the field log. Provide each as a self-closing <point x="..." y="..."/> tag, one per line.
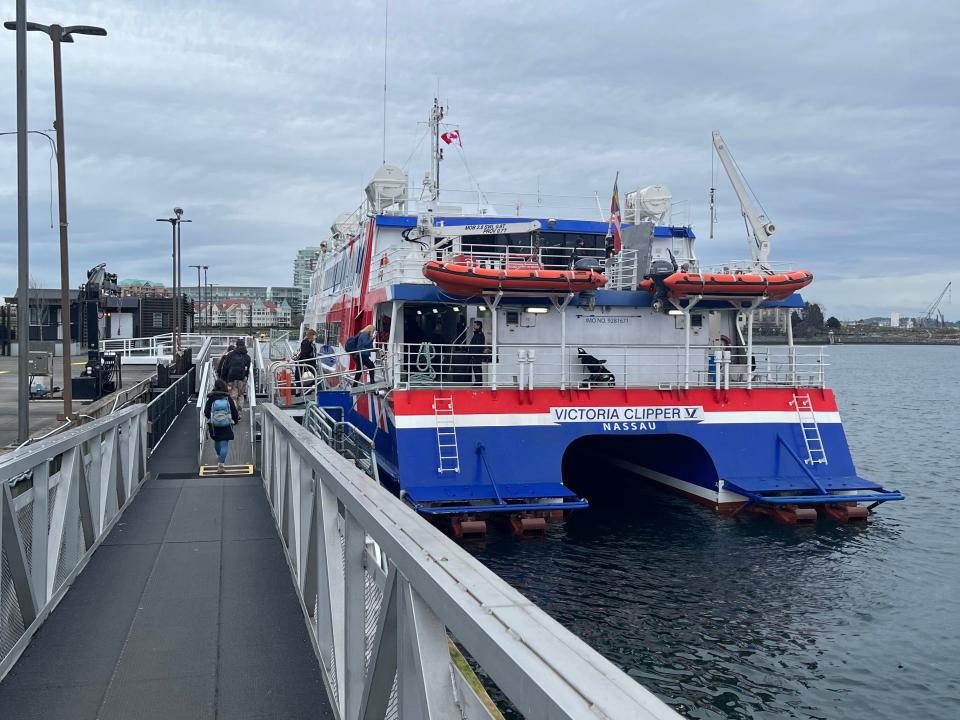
<point x="513" y="317"/>
<point x="696" y="321"/>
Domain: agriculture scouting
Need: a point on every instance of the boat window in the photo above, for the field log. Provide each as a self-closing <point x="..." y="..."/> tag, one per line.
<point x="696" y="321"/>
<point x="513" y="317"/>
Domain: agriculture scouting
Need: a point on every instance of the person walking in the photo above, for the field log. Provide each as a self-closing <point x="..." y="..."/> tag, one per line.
<point x="222" y="414"/>
<point x="222" y="359"/>
<point x="478" y="342"/>
<point x="362" y="342"/>
<point x="235" y="370"/>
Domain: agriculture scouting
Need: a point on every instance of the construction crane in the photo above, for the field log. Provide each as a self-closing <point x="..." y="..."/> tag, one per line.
<point x="759" y="228"/>
<point x="933" y="313"/>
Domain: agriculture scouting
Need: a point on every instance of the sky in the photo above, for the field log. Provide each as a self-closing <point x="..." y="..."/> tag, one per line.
<point x="265" y="120"/>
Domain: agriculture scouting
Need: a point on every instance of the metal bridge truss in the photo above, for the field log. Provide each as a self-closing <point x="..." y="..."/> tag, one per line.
<point x="385" y="592"/>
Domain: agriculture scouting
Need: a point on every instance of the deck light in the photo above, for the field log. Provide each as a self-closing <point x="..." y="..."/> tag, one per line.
<point x="536" y="310"/>
<point x="435" y="311"/>
<point x="674" y="312"/>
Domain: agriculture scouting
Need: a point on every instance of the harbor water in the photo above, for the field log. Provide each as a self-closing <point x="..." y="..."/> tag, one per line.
<point x="743" y="618"/>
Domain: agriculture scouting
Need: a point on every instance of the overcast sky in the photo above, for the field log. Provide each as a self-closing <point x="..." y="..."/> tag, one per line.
<point x="264" y="121"/>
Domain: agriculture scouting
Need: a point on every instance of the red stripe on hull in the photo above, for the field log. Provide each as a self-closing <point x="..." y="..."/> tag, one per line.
<point x="479" y="402"/>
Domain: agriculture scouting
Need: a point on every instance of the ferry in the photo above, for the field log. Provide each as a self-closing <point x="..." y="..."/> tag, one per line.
<point x="619" y="366"/>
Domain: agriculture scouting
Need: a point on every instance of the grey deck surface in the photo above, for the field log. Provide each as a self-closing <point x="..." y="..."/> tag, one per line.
<point x="186" y="611"/>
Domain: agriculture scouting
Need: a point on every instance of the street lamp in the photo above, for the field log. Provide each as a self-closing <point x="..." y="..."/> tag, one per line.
<point x="175" y="226"/>
<point x="199" y="293"/>
<point x="59" y="34"/>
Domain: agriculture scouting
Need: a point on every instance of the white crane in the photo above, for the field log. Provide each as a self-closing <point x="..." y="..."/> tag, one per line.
<point x="757" y="223"/>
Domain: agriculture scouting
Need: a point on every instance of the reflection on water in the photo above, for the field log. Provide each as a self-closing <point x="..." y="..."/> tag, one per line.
<point x="743" y="618"/>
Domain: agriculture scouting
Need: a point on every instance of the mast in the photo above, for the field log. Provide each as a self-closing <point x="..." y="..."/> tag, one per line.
<point x="436" y="115"/>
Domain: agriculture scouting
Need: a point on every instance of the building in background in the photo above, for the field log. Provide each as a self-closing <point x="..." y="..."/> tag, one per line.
<point x="894" y="319"/>
<point x="303" y="266"/>
<point x="132" y="287"/>
<point x="292" y="296"/>
<point x="246" y="313"/>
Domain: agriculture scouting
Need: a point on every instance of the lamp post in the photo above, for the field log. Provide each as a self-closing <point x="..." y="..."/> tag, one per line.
<point x="199" y="293"/>
<point x="58" y="34"/>
<point x="175" y="227"/>
<point x="208" y="321"/>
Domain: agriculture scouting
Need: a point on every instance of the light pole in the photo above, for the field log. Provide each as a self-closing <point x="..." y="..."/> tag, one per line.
<point x="58" y="34"/>
<point x="206" y="290"/>
<point x="23" y="264"/>
<point x="199" y="295"/>
<point x="175" y="226"/>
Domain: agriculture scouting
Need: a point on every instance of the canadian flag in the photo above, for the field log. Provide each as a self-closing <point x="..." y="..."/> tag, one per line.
<point x="452" y="137"/>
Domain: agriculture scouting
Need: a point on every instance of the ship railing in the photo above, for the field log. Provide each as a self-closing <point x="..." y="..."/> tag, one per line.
<point x="529" y="366"/>
<point x="404" y="263"/>
<point x="344" y="437"/>
<point x="394" y="607"/>
<point x="296" y="382"/>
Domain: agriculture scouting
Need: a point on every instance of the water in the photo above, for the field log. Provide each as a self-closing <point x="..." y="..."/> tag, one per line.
<point x="743" y="618"/>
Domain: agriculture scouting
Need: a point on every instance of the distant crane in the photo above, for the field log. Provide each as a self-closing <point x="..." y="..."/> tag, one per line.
<point x="758" y="226"/>
<point x="933" y="315"/>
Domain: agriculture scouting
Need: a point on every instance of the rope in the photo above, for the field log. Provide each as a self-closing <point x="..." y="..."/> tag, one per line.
<point x="424" y="364"/>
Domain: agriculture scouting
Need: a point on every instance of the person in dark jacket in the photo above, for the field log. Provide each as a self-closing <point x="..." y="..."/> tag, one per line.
<point x="220" y="434"/>
<point x="222" y="359"/>
<point x="365" y="347"/>
<point x="308" y="351"/>
<point x="478" y="342"/>
<point x="236" y="368"/>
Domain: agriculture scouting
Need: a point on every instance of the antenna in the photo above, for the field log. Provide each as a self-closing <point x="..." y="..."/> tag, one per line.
<point x="386" y="18"/>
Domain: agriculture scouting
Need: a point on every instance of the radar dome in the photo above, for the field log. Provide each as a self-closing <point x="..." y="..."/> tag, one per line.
<point x="388" y="186"/>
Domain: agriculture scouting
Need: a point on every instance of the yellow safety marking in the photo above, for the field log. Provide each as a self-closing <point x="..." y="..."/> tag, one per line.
<point x="82" y="362"/>
<point x="4" y="372"/>
<point x="207" y="470"/>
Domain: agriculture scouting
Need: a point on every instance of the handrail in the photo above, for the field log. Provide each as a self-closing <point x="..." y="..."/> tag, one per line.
<point x="406" y="592"/>
<point x="48" y="537"/>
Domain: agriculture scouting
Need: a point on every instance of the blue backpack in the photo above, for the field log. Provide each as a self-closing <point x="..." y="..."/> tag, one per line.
<point x="220" y="415"/>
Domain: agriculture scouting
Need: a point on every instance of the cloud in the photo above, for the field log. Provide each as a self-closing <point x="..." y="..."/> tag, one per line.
<point x="265" y="123"/>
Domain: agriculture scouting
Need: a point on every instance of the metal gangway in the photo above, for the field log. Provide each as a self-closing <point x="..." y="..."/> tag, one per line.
<point x="133" y="587"/>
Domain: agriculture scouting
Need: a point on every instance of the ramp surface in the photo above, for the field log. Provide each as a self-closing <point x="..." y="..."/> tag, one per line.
<point x="186" y="611"/>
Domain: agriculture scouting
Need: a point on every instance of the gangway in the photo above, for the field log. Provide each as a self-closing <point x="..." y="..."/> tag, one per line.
<point x="133" y="587"/>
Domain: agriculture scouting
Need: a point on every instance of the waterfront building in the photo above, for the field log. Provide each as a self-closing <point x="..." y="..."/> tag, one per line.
<point x="303" y="266"/>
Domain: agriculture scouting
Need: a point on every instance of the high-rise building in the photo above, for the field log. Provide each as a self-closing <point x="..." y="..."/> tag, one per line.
<point x="303" y="266"/>
<point x="894" y="319"/>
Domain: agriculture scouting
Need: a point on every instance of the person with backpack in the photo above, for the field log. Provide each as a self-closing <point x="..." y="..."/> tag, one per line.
<point x="222" y="414"/>
<point x="235" y="370"/>
<point x="362" y="343"/>
<point x="223" y="358"/>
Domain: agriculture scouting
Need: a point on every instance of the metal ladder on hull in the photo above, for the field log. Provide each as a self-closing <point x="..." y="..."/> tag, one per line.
<point x="816" y="453"/>
<point x="448" y="452"/>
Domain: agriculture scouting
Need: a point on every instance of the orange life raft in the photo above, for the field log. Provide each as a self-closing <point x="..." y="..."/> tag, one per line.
<point x="466" y="278"/>
<point x="775" y="287"/>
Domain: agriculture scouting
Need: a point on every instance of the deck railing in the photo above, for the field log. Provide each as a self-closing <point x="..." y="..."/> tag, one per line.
<point x="603" y="366"/>
<point x="59" y="498"/>
<point x="404" y="263"/>
<point x="388" y="599"/>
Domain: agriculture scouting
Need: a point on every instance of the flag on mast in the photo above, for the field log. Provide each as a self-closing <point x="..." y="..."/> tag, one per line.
<point x="452" y="137"/>
<point x="615" y="217"/>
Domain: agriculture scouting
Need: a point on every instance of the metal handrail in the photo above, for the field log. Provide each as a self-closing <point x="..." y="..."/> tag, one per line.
<point x="550" y="365"/>
<point x="378" y="584"/>
<point x="48" y="537"/>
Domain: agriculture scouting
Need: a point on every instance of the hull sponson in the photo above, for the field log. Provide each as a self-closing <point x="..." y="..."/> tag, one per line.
<point x="518" y="439"/>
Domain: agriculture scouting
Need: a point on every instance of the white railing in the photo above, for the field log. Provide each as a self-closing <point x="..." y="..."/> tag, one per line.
<point x="389" y="598"/>
<point x="344" y="437"/>
<point x="207" y="378"/>
<point x="294" y="382"/>
<point x="158" y="348"/>
<point x="59" y="498"/>
<point x="404" y="263"/>
<point x="620" y="366"/>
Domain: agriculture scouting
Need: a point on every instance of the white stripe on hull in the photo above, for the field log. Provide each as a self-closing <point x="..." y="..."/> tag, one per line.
<point x="748" y="417"/>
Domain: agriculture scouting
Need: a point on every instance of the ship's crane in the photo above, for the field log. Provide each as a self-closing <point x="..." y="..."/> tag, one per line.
<point x="933" y="312"/>
<point x="758" y="225"/>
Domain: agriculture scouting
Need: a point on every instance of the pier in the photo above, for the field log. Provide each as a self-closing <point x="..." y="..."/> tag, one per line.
<point x="132" y="586"/>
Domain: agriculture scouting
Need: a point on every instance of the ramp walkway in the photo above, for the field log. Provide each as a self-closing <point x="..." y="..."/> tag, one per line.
<point x="187" y="610"/>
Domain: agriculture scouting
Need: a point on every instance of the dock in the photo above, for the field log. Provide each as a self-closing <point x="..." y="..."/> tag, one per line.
<point x="303" y="589"/>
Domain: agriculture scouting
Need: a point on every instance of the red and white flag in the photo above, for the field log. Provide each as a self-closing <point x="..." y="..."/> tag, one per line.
<point x="615" y="217"/>
<point x="452" y="137"/>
